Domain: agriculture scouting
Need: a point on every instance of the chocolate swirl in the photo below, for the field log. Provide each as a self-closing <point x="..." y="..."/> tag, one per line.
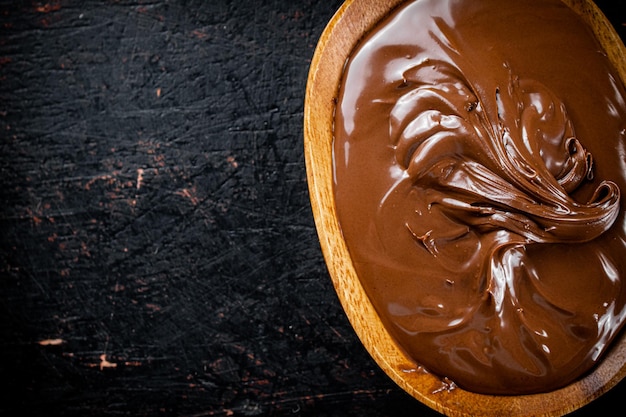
<point x="493" y="175"/>
<point x="488" y="236"/>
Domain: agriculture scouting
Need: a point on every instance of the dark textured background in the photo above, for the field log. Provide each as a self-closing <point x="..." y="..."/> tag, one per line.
<point x="157" y="251"/>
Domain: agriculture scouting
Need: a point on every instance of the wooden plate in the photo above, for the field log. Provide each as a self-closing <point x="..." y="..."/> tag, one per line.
<point x="339" y="38"/>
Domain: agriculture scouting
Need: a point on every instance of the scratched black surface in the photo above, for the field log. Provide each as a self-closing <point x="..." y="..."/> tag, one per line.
<point x="157" y="252"/>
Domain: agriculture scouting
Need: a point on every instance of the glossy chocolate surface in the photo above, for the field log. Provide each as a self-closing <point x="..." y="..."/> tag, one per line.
<point x="479" y="156"/>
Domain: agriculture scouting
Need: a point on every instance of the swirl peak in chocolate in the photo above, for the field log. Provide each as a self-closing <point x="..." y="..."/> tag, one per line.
<point x="478" y="175"/>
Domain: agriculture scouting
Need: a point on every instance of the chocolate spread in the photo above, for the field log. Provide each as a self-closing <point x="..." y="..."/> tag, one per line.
<point x="479" y="155"/>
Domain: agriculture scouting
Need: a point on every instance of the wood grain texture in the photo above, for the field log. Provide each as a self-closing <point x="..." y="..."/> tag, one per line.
<point x="353" y="20"/>
<point x="158" y="255"/>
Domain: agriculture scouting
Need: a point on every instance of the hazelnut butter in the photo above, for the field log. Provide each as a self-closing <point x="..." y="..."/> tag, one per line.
<point x="479" y="153"/>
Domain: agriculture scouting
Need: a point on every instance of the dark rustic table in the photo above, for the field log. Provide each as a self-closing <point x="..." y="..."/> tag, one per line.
<point x="157" y="250"/>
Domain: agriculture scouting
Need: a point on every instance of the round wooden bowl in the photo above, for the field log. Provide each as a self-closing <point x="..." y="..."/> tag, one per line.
<point x="346" y="28"/>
